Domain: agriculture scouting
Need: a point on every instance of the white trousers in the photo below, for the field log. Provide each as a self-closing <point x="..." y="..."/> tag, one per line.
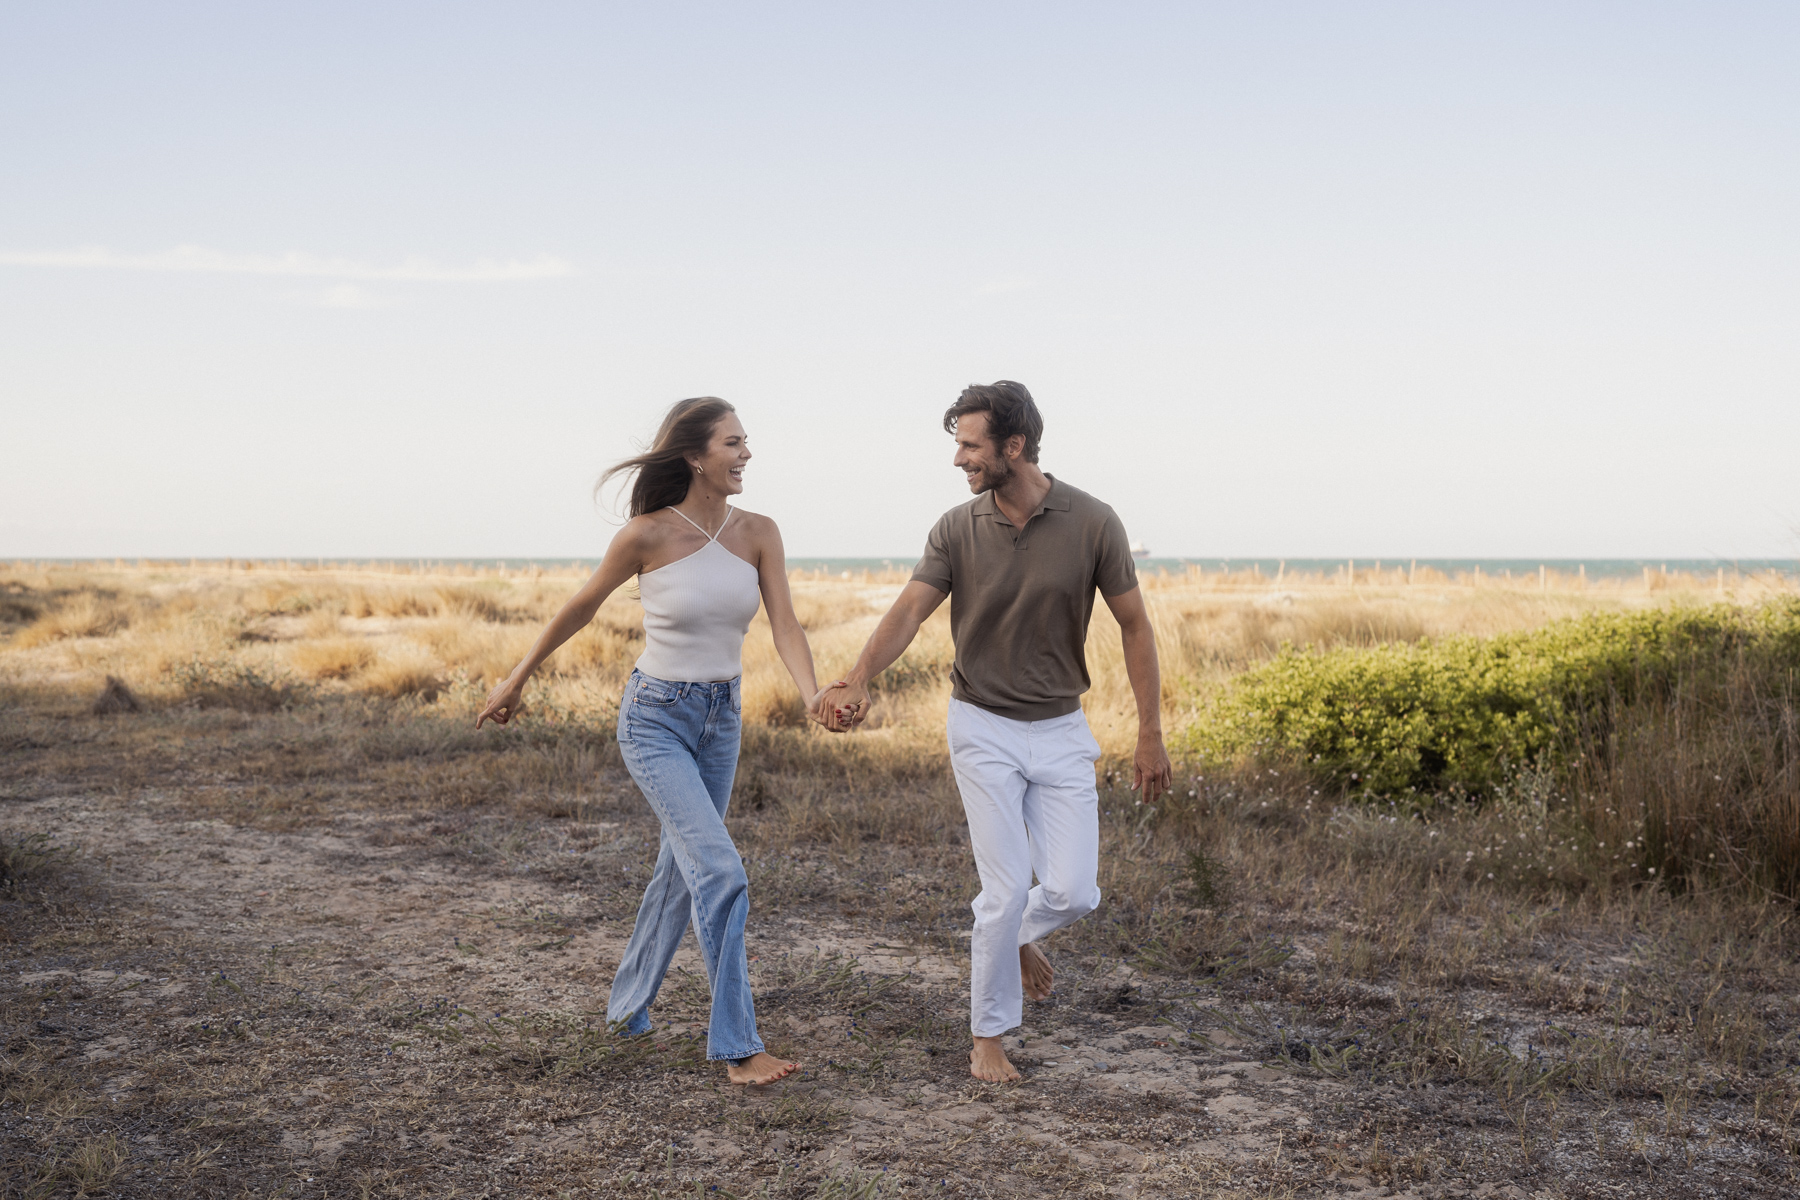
<point x="1028" y="790"/>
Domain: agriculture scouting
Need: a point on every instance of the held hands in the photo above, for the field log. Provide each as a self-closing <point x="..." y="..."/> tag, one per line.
<point x="502" y="703"/>
<point x="840" y="707"/>
<point x="1151" y="772"/>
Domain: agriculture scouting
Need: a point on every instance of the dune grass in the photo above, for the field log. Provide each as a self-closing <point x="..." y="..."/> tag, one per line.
<point x="259" y="637"/>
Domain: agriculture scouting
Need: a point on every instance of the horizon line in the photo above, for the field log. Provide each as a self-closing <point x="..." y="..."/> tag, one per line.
<point x="1187" y="559"/>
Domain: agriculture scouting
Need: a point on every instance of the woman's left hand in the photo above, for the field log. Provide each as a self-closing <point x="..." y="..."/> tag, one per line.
<point x="820" y="713"/>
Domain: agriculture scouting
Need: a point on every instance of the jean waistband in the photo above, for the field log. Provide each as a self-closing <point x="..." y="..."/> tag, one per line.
<point x="685" y="687"/>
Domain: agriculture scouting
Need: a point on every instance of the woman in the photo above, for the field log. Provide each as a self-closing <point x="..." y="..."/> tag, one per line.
<point x="702" y="567"/>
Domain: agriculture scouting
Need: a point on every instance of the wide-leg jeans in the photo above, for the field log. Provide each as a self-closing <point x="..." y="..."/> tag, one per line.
<point x="1028" y="790"/>
<point x="680" y="743"/>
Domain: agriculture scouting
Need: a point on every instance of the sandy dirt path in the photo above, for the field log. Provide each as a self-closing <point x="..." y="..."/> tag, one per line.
<point x="400" y="1005"/>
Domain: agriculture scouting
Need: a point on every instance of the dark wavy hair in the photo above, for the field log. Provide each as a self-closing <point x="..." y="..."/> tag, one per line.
<point x="663" y="473"/>
<point x="1010" y="410"/>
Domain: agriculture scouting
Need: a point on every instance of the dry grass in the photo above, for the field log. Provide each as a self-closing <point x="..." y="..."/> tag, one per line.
<point x="1701" y="785"/>
<point x="332" y="658"/>
<point x="1457" y="1002"/>
<point x="398" y="633"/>
<point x="84" y="615"/>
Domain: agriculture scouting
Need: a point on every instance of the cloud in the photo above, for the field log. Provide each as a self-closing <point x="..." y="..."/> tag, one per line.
<point x="200" y="260"/>
<point x="348" y="295"/>
<point x="1000" y="287"/>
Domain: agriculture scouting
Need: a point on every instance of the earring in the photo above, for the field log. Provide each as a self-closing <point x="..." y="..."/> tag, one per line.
<point x="700" y="469"/>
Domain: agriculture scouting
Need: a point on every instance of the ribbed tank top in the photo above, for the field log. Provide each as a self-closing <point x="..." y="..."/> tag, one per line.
<point x="696" y="612"/>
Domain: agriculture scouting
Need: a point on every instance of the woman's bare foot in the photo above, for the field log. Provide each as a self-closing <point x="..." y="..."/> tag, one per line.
<point x="989" y="1062"/>
<point x="1035" y="971"/>
<point x="760" y="1068"/>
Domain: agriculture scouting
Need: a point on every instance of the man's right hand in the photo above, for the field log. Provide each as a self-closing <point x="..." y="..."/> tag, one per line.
<point x="842" y="706"/>
<point x="845" y="704"/>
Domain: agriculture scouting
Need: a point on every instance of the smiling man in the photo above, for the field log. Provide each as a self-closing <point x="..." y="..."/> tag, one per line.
<point x="1021" y="563"/>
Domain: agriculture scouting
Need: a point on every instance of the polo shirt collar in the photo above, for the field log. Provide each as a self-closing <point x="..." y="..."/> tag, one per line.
<point x="1057" y="499"/>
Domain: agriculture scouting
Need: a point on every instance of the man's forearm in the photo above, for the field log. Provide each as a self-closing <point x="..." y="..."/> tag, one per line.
<point x="887" y="643"/>
<point x="1146" y="678"/>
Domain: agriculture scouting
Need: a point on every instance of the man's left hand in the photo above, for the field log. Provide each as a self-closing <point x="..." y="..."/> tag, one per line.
<point x="1151" y="772"/>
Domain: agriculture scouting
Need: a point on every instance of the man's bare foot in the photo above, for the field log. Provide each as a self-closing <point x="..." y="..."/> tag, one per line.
<point x="989" y="1062"/>
<point x="760" y="1068"/>
<point x="1035" y="972"/>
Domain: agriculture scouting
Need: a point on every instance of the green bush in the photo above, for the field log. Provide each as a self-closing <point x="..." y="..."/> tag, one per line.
<point x="1457" y="717"/>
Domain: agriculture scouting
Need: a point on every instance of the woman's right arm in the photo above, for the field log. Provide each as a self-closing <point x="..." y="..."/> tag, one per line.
<point x="624" y="558"/>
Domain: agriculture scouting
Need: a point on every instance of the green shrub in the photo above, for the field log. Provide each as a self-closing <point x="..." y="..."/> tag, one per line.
<point x="1456" y="718"/>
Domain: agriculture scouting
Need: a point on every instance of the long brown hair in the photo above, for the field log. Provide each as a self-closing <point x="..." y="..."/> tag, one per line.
<point x="663" y="473"/>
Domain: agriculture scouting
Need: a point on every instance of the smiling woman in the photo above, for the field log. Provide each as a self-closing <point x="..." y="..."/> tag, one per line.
<point x="702" y="576"/>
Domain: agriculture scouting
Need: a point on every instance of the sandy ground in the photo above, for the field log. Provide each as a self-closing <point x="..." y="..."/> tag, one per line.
<point x="372" y="1008"/>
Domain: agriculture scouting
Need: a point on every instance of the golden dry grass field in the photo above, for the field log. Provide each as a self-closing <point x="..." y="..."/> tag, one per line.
<point x="278" y="921"/>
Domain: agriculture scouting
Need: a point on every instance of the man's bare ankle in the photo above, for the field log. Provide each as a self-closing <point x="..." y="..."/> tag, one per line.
<point x="988" y="1062"/>
<point x="1036" y="975"/>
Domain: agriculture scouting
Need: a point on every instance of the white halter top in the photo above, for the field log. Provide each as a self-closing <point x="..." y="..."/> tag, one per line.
<point x="696" y="611"/>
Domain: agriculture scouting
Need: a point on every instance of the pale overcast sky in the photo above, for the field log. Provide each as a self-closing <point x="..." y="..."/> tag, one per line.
<point x="1362" y="279"/>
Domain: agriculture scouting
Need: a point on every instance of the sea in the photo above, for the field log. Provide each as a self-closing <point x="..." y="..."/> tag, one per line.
<point x="1593" y="568"/>
<point x="1493" y="568"/>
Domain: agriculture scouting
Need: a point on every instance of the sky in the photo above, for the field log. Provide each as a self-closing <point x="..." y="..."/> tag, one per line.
<point x="1297" y="279"/>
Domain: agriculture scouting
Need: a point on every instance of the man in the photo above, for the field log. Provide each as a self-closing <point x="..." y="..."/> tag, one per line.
<point x="1021" y="563"/>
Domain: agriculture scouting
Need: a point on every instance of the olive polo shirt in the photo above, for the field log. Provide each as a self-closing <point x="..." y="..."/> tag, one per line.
<point x="1020" y="599"/>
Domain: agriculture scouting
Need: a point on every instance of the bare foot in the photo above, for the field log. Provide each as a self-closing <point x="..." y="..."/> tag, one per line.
<point x="760" y="1068"/>
<point x="988" y="1061"/>
<point x="1035" y="971"/>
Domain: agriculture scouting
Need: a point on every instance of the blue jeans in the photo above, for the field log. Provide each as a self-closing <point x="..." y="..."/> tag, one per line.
<point x="680" y="743"/>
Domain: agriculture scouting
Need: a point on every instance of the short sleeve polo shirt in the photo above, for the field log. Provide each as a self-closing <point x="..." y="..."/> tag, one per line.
<point x="1020" y="599"/>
